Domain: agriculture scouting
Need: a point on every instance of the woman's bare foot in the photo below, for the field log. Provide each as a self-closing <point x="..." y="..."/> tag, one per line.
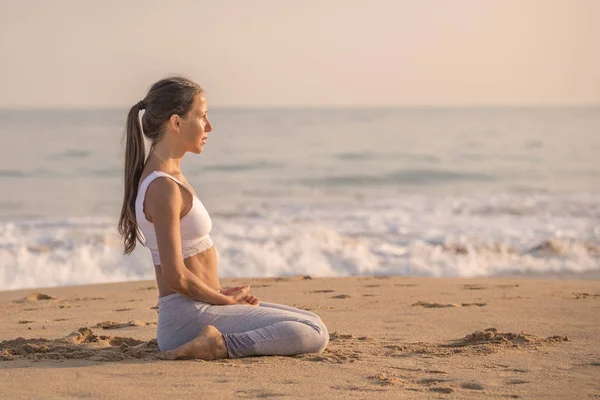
<point x="208" y="345"/>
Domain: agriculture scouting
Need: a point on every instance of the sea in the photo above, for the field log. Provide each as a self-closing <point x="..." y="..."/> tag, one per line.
<point x="438" y="192"/>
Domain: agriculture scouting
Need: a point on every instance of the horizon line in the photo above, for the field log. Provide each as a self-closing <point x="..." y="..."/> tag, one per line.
<point x="317" y="107"/>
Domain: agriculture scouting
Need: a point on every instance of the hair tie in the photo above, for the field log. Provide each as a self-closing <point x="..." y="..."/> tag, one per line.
<point x="141" y="105"/>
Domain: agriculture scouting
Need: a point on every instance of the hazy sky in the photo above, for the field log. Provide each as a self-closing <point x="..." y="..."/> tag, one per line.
<point x="283" y="53"/>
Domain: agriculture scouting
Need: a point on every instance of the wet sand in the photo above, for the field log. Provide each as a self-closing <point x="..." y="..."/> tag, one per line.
<point x="390" y="337"/>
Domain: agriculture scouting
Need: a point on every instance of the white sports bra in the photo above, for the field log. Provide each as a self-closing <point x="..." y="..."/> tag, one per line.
<point x="195" y="226"/>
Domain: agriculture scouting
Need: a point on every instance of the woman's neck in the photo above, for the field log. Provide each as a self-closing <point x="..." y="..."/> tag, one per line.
<point x="164" y="162"/>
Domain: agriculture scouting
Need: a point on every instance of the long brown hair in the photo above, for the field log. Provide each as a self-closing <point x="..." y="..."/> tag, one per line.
<point x="172" y="95"/>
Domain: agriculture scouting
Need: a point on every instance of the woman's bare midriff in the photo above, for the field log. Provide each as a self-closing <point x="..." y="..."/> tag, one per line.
<point x="203" y="265"/>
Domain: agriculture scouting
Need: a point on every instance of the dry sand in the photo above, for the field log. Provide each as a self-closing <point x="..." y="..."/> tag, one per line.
<point x="391" y="337"/>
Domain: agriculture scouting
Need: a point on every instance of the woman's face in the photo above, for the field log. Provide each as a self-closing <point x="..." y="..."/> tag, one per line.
<point x="195" y="127"/>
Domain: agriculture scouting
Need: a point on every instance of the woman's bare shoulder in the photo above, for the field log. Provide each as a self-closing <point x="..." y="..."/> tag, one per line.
<point x="163" y="195"/>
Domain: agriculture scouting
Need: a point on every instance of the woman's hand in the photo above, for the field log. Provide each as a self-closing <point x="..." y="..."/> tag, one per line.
<point x="240" y="295"/>
<point x="230" y="290"/>
<point x="252" y="300"/>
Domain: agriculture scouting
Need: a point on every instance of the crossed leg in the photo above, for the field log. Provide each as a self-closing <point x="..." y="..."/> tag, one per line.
<point x="241" y="330"/>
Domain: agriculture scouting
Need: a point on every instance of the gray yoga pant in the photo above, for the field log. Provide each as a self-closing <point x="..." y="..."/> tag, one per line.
<point x="269" y="329"/>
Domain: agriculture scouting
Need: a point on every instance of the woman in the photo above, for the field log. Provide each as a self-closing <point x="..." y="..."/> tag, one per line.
<point x="197" y="319"/>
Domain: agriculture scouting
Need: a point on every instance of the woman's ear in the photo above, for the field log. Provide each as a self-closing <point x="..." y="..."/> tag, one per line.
<point x="175" y="122"/>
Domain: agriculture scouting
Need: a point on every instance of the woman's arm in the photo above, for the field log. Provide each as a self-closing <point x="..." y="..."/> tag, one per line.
<point x="165" y="203"/>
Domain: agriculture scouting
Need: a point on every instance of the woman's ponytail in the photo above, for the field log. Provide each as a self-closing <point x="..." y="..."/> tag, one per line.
<point x="135" y="155"/>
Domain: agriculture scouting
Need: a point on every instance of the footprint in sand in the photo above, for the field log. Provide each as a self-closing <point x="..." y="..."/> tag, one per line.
<point x="25" y="322"/>
<point x="81" y="344"/>
<point x="39" y="296"/>
<point x="117" y="325"/>
<point x="323" y="291"/>
<point x="338" y="336"/>
<point x="335" y="336"/>
<point x="428" y="304"/>
<point x="385" y="379"/>
<point x="579" y="296"/>
<point x="35" y="297"/>
<point x="405" y="284"/>
<point x="474" y="287"/>
<point x="431" y="381"/>
<point x="395" y="347"/>
<point x="471" y="386"/>
<point x="365" y="338"/>
<point x="340" y="296"/>
<point x="123" y="309"/>
<point x="372" y="285"/>
<point x="441" y="389"/>
<point x="486" y="342"/>
<point x="258" y="393"/>
<point x="491" y="336"/>
<point x="516" y="382"/>
<point x="333" y="356"/>
<point x="432" y="385"/>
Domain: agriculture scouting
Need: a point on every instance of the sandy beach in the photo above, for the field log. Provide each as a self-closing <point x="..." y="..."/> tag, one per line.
<point x="390" y="337"/>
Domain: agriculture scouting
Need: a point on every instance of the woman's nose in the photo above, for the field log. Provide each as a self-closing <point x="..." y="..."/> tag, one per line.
<point x="208" y="127"/>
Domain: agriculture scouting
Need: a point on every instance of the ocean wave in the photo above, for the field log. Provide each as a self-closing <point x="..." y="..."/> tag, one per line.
<point x="415" y="176"/>
<point x="413" y="235"/>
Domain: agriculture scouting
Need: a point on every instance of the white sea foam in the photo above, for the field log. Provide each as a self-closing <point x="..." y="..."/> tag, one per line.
<point x="409" y="235"/>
